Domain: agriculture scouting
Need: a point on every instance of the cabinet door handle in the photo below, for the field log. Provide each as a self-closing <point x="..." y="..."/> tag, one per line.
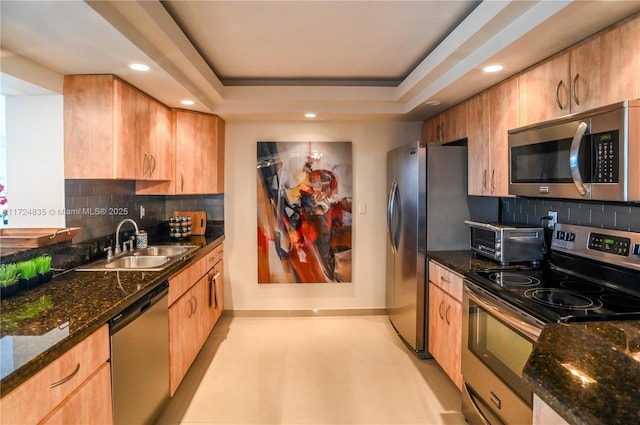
<point x="195" y="302"/>
<point x="484" y="179"/>
<point x="440" y="310"/>
<point x="190" y="307"/>
<point x="493" y="174"/>
<point x="66" y="378"/>
<point x="181" y="182"/>
<point x="153" y="167"/>
<point x="574" y="89"/>
<point x="560" y="84"/>
<point x="446" y="314"/>
<point x="145" y="163"/>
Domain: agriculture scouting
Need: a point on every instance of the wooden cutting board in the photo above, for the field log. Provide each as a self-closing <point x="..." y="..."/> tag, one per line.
<point x="36" y="237"/>
<point x="198" y="220"/>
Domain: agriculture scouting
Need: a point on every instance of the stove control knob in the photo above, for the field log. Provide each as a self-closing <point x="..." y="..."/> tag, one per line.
<point x="636" y="249"/>
<point x="560" y="235"/>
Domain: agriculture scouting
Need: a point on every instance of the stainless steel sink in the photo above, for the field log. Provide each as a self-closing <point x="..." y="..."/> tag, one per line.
<point x="137" y="262"/>
<point x="162" y="250"/>
<point x="151" y="258"/>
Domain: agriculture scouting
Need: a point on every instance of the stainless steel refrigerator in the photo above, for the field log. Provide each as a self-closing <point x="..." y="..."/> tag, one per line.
<point x="426" y="209"/>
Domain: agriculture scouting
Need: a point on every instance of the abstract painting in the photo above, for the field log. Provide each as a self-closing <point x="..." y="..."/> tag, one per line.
<point x="304" y="212"/>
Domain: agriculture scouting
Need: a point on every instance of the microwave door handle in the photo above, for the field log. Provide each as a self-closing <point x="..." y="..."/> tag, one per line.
<point x="573" y="158"/>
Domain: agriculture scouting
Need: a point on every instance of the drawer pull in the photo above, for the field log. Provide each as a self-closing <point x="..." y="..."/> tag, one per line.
<point x="66" y="378"/>
<point x="444" y="279"/>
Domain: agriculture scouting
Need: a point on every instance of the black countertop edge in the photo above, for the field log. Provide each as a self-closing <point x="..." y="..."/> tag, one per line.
<point x="30" y="368"/>
<point x="461" y="261"/>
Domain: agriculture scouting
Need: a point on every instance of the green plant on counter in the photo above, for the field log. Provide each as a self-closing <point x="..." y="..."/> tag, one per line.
<point x="27" y="269"/>
<point x="43" y="264"/>
<point x="9" y="274"/>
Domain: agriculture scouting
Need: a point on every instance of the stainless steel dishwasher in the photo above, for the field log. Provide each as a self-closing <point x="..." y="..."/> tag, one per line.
<point x="140" y="358"/>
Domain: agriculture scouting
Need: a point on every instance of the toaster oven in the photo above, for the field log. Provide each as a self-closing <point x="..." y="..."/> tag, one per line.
<point x="506" y="243"/>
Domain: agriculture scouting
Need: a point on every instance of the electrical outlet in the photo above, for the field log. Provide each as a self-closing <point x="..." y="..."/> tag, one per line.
<point x="143" y="212"/>
<point x="552" y="220"/>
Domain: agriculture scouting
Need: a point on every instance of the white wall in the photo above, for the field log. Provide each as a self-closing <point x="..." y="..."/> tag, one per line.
<point x="35" y="161"/>
<point x="371" y="141"/>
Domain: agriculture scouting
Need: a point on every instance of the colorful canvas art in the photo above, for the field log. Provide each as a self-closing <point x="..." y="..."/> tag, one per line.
<point x="304" y="212"/>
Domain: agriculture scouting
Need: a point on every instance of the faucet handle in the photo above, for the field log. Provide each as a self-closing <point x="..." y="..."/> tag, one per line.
<point x="125" y="246"/>
<point x="109" y="252"/>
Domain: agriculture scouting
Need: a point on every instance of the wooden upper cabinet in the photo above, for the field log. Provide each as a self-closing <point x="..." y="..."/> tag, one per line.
<point x="599" y="71"/>
<point x="605" y="69"/>
<point x="114" y="131"/>
<point x="199" y="141"/>
<point x="454" y="123"/>
<point x="431" y="130"/>
<point x="544" y="91"/>
<point x="503" y="116"/>
<point x="490" y="116"/>
<point x="478" y="145"/>
<point x="198" y="165"/>
<point x="447" y="127"/>
<point x="161" y="156"/>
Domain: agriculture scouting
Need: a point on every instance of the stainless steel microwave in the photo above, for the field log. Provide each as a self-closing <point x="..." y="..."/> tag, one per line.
<point x="592" y="155"/>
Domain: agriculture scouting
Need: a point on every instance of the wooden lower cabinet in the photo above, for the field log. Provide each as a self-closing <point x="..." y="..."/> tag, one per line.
<point x="75" y="388"/>
<point x="188" y="319"/>
<point x="445" y="321"/>
<point x="196" y="302"/>
<point x="90" y="404"/>
<point x="445" y="332"/>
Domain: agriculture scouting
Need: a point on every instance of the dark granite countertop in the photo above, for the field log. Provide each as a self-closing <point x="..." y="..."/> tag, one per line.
<point x="608" y="353"/>
<point x="38" y="326"/>
<point x="461" y="261"/>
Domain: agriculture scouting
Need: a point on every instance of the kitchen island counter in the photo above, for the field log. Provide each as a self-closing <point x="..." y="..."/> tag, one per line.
<point x="589" y="373"/>
<point x="38" y="326"/>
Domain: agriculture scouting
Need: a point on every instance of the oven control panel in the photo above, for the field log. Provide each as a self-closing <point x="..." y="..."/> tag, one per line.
<point x="611" y="244"/>
<point x="616" y="247"/>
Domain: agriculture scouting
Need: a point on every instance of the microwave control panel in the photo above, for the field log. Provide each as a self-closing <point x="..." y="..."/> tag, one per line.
<point x="606" y="154"/>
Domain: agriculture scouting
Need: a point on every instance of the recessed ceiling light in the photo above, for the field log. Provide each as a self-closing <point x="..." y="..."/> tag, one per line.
<point x="310" y="115"/>
<point x="493" y="68"/>
<point x="187" y="102"/>
<point x="139" y="67"/>
<point x="432" y="103"/>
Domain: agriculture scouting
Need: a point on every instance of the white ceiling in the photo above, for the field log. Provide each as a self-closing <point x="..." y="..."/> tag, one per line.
<point x="279" y="59"/>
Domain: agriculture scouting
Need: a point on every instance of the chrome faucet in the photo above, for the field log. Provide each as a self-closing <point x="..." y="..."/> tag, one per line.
<point x="117" y="250"/>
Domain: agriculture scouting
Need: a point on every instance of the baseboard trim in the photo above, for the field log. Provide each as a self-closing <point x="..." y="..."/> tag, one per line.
<point x="307" y="313"/>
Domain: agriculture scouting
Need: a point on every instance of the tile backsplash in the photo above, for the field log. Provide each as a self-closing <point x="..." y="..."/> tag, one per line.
<point x="97" y="206"/>
<point x="605" y="215"/>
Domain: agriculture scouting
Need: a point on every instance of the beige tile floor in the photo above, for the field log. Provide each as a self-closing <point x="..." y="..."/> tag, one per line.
<point x="311" y="370"/>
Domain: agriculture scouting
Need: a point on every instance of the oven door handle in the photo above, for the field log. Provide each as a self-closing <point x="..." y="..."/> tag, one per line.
<point x="531" y="331"/>
<point x="574" y="154"/>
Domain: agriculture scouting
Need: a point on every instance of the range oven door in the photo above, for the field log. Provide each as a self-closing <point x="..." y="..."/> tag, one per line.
<point x="496" y="343"/>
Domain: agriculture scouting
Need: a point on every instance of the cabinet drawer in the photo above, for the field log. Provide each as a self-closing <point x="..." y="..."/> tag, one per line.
<point x="215" y="255"/>
<point x="186" y="278"/>
<point x="447" y="280"/>
<point x="90" y="404"/>
<point x="40" y="394"/>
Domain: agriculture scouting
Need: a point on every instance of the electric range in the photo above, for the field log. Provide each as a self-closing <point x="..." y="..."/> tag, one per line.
<point x="592" y="274"/>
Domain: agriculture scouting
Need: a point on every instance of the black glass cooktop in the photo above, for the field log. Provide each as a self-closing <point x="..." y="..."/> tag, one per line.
<point x="556" y="296"/>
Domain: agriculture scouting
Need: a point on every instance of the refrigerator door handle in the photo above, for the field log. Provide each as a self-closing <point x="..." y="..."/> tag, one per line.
<point x="391" y="212"/>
